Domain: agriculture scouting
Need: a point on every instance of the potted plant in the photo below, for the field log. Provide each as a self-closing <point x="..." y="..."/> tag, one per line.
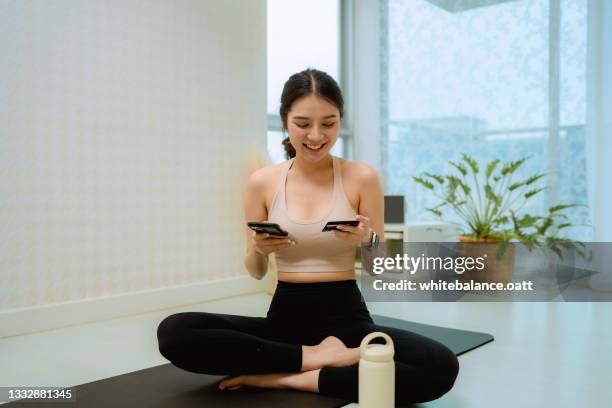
<point x="489" y="204"/>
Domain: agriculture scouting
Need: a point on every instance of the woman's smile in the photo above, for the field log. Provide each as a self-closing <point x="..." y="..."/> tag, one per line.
<point x="313" y="147"/>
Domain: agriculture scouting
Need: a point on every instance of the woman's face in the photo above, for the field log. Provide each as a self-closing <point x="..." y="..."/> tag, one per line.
<point x="313" y="125"/>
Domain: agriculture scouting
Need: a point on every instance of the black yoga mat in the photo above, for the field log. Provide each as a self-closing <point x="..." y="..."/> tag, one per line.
<point x="171" y="387"/>
<point x="459" y="341"/>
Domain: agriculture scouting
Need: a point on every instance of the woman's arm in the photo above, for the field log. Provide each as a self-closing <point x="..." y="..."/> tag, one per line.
<point x="370" y="215"/>
<point x="372" y="199"/>
<point x="372" y="206"/>
<point x="254" y="210"/>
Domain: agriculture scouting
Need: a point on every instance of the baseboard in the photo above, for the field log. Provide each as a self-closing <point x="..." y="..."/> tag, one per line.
<point x="20" y="321"/>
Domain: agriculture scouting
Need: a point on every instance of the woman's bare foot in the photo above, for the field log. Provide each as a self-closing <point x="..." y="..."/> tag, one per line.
<point x="304" y="381"/>
<point x="330" y="352"/>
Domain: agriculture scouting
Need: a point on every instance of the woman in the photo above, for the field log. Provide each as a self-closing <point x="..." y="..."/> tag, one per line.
<point x="309" y="339"/>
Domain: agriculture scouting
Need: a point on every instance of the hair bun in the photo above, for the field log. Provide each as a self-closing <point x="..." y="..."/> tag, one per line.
<point x="289" y="149"/>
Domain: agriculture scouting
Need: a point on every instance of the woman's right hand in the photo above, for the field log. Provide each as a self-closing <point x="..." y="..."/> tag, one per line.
<point x="265" y="243"/>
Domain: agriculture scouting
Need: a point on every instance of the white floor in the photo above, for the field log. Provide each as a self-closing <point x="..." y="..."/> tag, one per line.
<point x="544" y="354"/>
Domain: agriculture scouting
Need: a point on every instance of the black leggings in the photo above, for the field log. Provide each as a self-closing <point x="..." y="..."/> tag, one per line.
<point x="304" y="314"/>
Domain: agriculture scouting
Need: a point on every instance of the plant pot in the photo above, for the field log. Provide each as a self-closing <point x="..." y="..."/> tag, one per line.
<point x="494" y="270"/>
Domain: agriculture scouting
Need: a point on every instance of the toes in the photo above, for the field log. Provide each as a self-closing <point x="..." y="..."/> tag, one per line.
<point x="230" y="383"/>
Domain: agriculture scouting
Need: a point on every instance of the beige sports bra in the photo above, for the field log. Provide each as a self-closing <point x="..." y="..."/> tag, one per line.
<point x="315" y="251"/>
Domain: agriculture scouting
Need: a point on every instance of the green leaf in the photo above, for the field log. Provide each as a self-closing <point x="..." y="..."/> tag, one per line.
<point x="423" y="182"/>
<point x="453" y="182"/>
<point x="439" y="179"/>
<point x="533" y="192"/>
<point x="542" y="228"/>
<point x="561" y="207"/>
<point x="495" y="209"/>
<point x="533" y="179"/>
<point x="516" y="185"/>
<point x="459" y="167"/>
<point x="491" y="195"/>
<point x="491" y="167"/>
<point x="435" y="211"/>
<point x="527" y="182"/>
<point x="511" y="166"/>
<point x="515" y="223"/>
<point x="500" y="220"/>
<point x="471" y="162"/>
<point x="527" y="221"/>
<point x="464" y="187"/>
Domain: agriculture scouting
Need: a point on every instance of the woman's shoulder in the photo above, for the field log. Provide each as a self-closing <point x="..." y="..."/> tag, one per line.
<point x="266" y="175"/>
<point x="358" y="170"/>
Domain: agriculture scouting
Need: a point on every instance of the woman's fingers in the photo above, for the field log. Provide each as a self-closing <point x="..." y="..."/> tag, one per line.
<point x="267" y="239"/>
<point x="358" y="230"/>
<point x="260" y="236"/>
<point x="274" y="244"/>
<point x="364" y="224"/>
<point x="277" y="241"/>
<point x="357" y="233"/>
<point x="342" y="234"/>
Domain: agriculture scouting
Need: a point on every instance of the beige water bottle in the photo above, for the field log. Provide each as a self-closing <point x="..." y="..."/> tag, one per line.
<point x="376" y="373"/>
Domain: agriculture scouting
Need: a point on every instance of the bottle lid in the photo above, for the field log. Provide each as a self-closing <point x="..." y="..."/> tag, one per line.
<point x="377" y="352"/>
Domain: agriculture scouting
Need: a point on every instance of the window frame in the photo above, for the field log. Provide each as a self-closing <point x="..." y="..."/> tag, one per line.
<point x="345" y="73"/>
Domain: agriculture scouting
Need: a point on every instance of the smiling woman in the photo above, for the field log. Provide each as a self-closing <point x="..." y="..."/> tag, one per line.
<point x="311" y="109"/>
<point x="304" y="122"/>
<point x="310" y="337"/>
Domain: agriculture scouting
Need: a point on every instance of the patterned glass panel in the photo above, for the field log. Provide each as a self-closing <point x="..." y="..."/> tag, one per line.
<point x="476" y="81"/>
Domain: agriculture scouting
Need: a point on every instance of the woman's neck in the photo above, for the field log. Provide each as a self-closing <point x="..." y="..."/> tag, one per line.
<point x="307" y="167"/>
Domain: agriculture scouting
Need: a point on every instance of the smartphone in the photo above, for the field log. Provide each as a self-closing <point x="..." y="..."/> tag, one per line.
<point x="271" y="228"/>
<point x="331" y="225"/>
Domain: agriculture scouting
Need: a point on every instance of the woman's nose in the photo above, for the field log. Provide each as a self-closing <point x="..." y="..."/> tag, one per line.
<point x="316" y="134"/>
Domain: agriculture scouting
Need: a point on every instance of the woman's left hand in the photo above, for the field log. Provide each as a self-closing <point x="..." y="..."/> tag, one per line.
<point x="359" y="235"/>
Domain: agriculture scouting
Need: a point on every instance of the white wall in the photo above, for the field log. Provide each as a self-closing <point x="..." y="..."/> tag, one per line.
<point x="125" y="132"/>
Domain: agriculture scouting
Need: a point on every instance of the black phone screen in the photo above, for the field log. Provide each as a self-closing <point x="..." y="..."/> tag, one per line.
<point x="271" y="228"/>
<point x="331" y="225"/>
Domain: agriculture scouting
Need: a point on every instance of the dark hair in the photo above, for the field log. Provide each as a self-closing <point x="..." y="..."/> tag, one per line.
<point x="308" y="82"/>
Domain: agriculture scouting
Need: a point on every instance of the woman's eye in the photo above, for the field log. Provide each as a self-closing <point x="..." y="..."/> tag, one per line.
<point x="305" y="125"/>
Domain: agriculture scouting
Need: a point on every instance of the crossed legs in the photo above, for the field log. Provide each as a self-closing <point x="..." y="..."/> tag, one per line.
<point x="255" y="353"/>
<point x="249" y="349"/>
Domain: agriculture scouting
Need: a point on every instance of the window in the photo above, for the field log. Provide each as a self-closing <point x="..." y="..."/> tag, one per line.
<point x="301" y="35"/>
<point x="481" y="81"/>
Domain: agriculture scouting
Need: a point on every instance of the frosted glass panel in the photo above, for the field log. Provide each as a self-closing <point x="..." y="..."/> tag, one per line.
<point x="488" y="65"/>
<point x="476" y="82"/>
